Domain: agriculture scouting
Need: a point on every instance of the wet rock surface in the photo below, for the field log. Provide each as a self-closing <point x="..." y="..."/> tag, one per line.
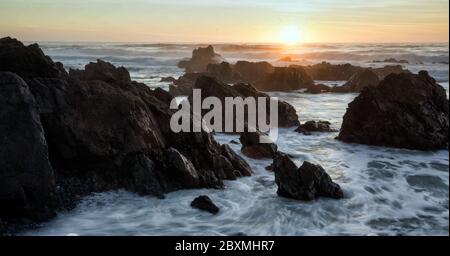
<point x="253" y="146"/>
<point x="205" y="203"/>
<point x="404" y="111"/>
<point x="314" y="126"/>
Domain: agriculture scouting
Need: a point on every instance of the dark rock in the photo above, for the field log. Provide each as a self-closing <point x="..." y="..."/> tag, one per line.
<point x="314" y="126"/>
<point x="168" y="79"/>
<point x="318" y="88"/>
<point x="286" y="79"/>
<point x="240" y="166"/>
<point x="182" y="169"/>
<point x="253" y="148"/>
<point x="183" y="86"/>
<point x="391" y="60"/>
<point x="27" y="180"/>
<point x="358" y="81"/>
<point x="305" y="183"/>
<point x="330" y="72"/>
<point x="201" y="57"/>
<point x="403" y="111"/>
<point x="224" y="72"/>
<point x="101" y="71"/>
<point x="387" y="70"/>
<point x="204" y="203"/>
<point x="253" y="72"/>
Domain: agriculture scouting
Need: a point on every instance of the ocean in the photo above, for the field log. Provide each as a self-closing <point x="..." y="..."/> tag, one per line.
<point x="387" y="191"/>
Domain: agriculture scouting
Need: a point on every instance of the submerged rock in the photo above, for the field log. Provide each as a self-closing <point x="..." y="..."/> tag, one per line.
<point x="200" y="59"/>
<point x="253" y="148"/>
<point x="305" y="183"/>
<point x="205" y="203"/>
<point x="404" y="111"/>
<point x="314" y="126"/>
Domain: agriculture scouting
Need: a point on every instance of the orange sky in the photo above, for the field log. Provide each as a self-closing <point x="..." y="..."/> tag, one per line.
<point x="252" y="21"/>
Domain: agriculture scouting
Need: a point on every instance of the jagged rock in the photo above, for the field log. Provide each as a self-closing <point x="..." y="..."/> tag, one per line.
<point x="305" y="183"/>
<point x="314" y="126"/>
<point x="403" y="111"/>
<point x="200" y="59"/>
<point x="253" y="72"/>
<point x="286" y="79"/>
<point x="358" y="81"/>
<point x="209" y="86"/>
<point x="224" y="72"/>
<point x="330" y="72"/>
<point x="241" y="167"/>
<point x="27" y="179"/>
<point x="387" y="70"/>
<point x="205" y="203"/>
<point x="183" y="86"/>
<point x="253" y="148"/>
<point x="102" y="71"/>
<point x="103" y="132"/>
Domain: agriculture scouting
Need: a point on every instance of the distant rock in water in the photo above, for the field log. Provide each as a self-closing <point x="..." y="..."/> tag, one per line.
<point x="358" y="81"/>
<point x="205" y="203"/>
<point x="286" y="79"/>
<point x="391" y="60"/>
<point x="65" y="136"/>
<point x="168" y="79"/>
<point x="253" y="72"/>
<point x="286" y="59"/>
<point x="200" y="59"/>
<point x="253" y="148"/>
<point x="307" y="183"/>
<point x="403" y="111"/>
<point x="314" y="126"/>
<point x="390" y="69"/>
<point x="330" y="72"/>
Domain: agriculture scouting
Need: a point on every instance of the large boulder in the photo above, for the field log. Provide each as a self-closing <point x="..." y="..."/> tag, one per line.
<point x="358" y="81"/>
<point x="253" y="147"/>
<point x="308" y="182"/>
<point x="286" y="79"/>
<point x="205" y="203"/>
<point x="200" y="59"/>
<point x="27" y="180"/>
<point x="403" y="111"/>
<point x="287" y="116"/>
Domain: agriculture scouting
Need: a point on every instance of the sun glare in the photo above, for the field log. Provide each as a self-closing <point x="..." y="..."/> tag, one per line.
<point x="290" y="35"/>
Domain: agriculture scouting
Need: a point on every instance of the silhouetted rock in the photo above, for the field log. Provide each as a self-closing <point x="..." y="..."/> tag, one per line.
<point x="387" y="70"/>
<point x="27" y="180"/>
<point x="200" y="59"/>
<point x="330" y="72"/>
<point x="403" y="111"/>
<point x="241" y="167"/>
<point x="318" y="88"/>
<point x="305" y="183"/>
<point x="253" y="148"/>
<point x="253" y="72"/>
<point x="168" y="79"/>
<point x="102" y="71"/>
<point x="358" y="81"/>
<point x="183" y="85"/>
<point x="314" y="126"/>
<point x="391" y="60"/>
<point x="224" y="72"/>
<point x="209" y="86"/>
<point x="286" y="79"/>
<point x="205" y="203"/>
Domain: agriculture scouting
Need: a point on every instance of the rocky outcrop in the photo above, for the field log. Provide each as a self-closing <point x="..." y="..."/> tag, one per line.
<point x="26" y="175"/>
<point x="403" y="111"/>
<point x="391" y="69"/>
<point x="209" y="86"/>
<point x="205" y="203"/>
<point x="330" y="72"/>
<point x="391" y="60"/>
<point x="308" y="182"/>
<point x="200" y="59"/>
<point x="314" y="126"/>
<point x="286" y="79"/>
<point x="358" y="81"/>
<point x="168" y="79"/>
<point x="103" y="132"/>
<point x="253" y="72"/>
<point x="253" y="147"/>
<point x="224" y="72"/>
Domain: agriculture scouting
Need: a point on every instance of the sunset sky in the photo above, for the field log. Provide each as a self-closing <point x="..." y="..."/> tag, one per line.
<point x="252" y="21"/>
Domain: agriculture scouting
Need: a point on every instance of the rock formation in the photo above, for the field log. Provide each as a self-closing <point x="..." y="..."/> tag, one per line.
<point x="403" y="111"/>
<point x="358" y="81"/>
<point x="200" y="59"/>
<point x="330" y="72"/>
<point x="253" y="148"/>
<point x="89" y="131"/>
<point x="286" y="79"/>
<point x="305" y="183"/>
<point x="314" y="126"/>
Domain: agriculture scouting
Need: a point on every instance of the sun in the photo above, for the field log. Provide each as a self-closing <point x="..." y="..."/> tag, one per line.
<point x="290" y="35"/>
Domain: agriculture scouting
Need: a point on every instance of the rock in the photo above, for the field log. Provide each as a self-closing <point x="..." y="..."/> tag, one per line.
<point x="253" y="148"/>
<point x="183" y="86"/>
<point x="403" y="111"/>
<point x="103" y="132"/>
<point x="253" y="72"/>
<point x="318" y="88"/>
<point x="204" y="203"/>
<point x="391" y="60"/>
<point x="224" y="72"/>
<point x="305" y="183"/>
<point x="330" y="72"/>
<point x="241" y="167"/>
<point x="27" y="179"/>
<point x="358" y="81"/>
<point x="286" y="59"/>
<point x="286" y="79"/>
<point x="168" y="79"/>
<point x="387" y="70"/>
<point x="314" y="126"/>
<point x="209" y="86"/>
<point x="200" y="59"/>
